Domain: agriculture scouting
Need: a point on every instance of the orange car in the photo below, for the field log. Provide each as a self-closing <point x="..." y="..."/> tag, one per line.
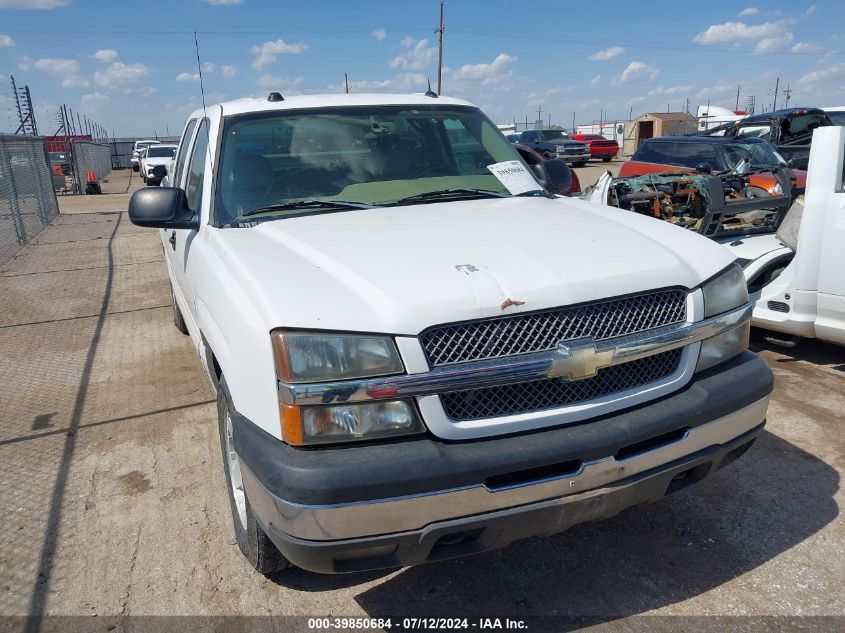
<point x="711" y="154"/>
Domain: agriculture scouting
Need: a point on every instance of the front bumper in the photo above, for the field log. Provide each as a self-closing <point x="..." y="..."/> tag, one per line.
<point x="406" y="502"/>
<point x="572" y="157"/>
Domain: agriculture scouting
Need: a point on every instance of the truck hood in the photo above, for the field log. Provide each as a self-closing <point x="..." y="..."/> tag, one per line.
<point x="400" y="270"/>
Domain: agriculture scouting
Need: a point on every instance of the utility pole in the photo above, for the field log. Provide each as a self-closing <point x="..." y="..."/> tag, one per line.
<point x="540" y="116"/>
<point x="736" y="107"/>
<point x="439" y="32"/>
<point x="687" y="110"/>
<point x="787" y="93"/>
<point x="346" y="83"/>
<point x="550" y="118"/>
<point x="775" y="102"/>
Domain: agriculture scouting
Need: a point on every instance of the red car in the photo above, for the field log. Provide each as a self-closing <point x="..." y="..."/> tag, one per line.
<point x="600" y="147"/>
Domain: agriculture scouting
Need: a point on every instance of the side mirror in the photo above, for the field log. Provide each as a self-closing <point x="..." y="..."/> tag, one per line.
<point x="162" y="208"/>
<point x="159" y="171"/>
<point x="704" y="168"/>
<point x="790" y="162"/>
<point x="555" y="176"/>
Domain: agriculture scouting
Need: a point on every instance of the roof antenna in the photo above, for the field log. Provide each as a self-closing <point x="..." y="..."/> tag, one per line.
<point x="199" y="69"/>
<point x="204" y="114"/>
<point x="430" y="92"/>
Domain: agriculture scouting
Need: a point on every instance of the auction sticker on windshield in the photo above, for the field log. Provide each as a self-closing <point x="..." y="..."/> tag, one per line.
<point x="514" y="176"/>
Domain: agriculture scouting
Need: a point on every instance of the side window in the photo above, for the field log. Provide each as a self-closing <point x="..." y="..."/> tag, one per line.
<point x="183" y="151"/>
<point x="196" y="169"/>
<point x="693" y="154"/>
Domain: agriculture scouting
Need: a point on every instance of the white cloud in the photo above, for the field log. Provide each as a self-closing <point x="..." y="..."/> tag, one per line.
<point x="188" y="77"/>
<point x="487" y="73"/>
<point x="229" y="71"/>
<point x="94" y="100"/>
<point x="379" y="34"/>
<point x="105" y="55"/>
<point x="279" y="83"/>
<point x="24" y="63"/>
<point x="401" y="82"/>
<point x="6" y="40"/>
<point x="806" y="47"/>
<point x="224" y="2"/>
<point x="418" y="55"/>
<point x="749" y="11"/>
<point x="637" y="71"/>
<point x="772" y="44"/>
<point x="266" y="53"/>
<point x="74" y="81"/>
<point x="33" y="4"/>
<point x="672" y="90"/>
<point x="819" y="76"/>
<point x="208" y="67"/>
<point x="118" y="74"/>
<point x="57" y="65"/>
<point x="595" y="81"/>
<point x="737" y="32"/>
<point x="810" y="11"/>
<point x="608" y="53"/>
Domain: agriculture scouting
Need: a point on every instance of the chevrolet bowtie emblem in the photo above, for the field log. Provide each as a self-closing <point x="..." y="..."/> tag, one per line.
<point x="579" y="359"/>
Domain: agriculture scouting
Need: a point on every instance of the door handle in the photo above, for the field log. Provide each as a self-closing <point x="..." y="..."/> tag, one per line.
<point x="172" y="240"/>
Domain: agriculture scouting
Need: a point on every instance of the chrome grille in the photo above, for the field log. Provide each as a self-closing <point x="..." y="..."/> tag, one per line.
<point x="543" y="330"/>
<point x="524" y="397"/>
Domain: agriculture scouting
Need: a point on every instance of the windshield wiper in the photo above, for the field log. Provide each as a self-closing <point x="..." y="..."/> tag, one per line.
<point x="309" y="204"/>
<point x="452" y="193"/>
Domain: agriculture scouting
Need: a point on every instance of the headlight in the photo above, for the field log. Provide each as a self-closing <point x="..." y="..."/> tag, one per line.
<point x="778" y="190"/>
<point x="725" y="292"/>
<point x="302" y="426"/>
<point x="722" y="347"/>
<point x="322" y="357"/>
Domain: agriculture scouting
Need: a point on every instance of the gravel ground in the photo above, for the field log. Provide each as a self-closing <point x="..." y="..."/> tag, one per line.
<point x="115" y="502"/>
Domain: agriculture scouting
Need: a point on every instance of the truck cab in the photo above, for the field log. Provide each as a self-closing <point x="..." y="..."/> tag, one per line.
<point x="419" y="352"/>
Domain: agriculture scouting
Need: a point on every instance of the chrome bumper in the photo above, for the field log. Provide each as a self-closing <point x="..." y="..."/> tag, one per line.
<point x="385" y="516"/>
<point x="512" y="369"/>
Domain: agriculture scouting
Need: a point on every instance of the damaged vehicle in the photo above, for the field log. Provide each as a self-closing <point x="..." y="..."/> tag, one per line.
<point x="790" y="250"/>
<point x="419" y="351"/>
<point x="715" y="155"/>
<point x="789" y="131"/>
<point x="713" y="205"/>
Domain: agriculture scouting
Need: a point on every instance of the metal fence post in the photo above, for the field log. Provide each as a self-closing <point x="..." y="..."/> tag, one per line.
<point x="39" y="180"/>
<point x="13" y="194"/>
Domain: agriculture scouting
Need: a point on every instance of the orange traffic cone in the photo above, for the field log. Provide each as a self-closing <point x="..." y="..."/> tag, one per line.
<point x="92" y="177"/>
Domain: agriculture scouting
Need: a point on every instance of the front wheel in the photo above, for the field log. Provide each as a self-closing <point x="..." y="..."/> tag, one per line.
<point x="579" y="163"/>
<point x="606" y="159"/>
<point x="252" y="540"/>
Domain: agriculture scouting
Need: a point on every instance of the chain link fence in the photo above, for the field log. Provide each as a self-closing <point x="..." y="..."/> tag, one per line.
<point x="87" y="157"/>
<point x="27" y="200"/>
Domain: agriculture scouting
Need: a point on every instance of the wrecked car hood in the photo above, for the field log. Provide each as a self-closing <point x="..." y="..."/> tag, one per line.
<point x="402" y="269"/>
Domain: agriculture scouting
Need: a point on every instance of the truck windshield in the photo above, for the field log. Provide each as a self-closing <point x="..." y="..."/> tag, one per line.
<point x="161" y="152"/>
<point x="373" y="155"/>
<point x="555" y="135"/>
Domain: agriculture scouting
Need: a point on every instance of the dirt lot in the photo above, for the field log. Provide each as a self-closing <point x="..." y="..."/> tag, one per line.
<point x="114" y="497"/>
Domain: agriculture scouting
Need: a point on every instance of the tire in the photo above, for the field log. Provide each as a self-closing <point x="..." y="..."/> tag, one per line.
<point x="252" y="541"/>
<point x="606" y="159"/>
<point x="178" y="319"/>
<point x="136" y="168"/>
<point x="579" y="163"/>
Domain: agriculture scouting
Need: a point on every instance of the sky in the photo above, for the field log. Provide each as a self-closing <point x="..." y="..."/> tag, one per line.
<point x="136" y="73"/>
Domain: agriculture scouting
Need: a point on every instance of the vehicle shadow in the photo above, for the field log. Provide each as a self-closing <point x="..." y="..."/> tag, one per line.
<point x="810" y="350"/>
<point x="645" y="558"/>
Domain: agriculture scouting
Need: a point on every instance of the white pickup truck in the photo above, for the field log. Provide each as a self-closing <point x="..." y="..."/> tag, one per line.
<point x="796" y="277"/>
<point x="421" y="353"/>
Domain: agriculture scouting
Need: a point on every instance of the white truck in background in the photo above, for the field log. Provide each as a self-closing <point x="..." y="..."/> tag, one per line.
<point x="796" y="278"/>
